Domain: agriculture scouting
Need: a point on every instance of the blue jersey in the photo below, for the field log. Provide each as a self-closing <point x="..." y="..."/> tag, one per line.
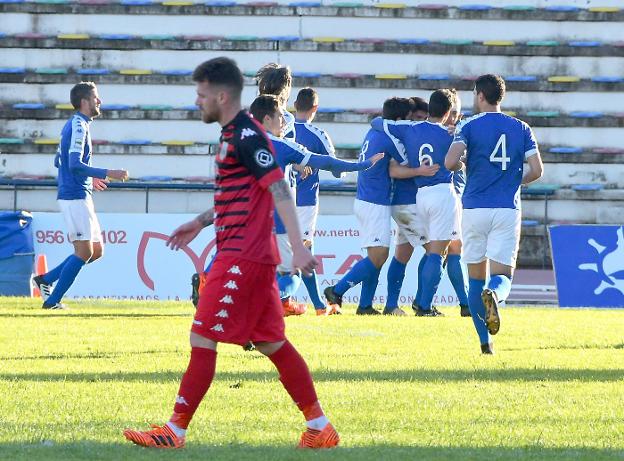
<point x="459" y="181"/>
<point x="426" y="143"/>
<point x="316" y="140"/>
<point x="73" y="160"/>
<point x="290" y="153"/>
<point x="289" y="128"/>
<point x="496" y="146"/>
<point x="374" y="185"/>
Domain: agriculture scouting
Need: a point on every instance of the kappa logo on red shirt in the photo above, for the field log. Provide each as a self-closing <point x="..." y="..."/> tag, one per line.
<point x="247" y="133"/>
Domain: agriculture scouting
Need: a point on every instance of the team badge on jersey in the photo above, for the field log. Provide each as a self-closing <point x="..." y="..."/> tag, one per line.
<point x="264" y="158"/>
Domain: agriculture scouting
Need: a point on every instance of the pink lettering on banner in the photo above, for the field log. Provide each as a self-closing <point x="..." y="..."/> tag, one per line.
<point x="348" y="264"/>
<point x="198" y="261"/>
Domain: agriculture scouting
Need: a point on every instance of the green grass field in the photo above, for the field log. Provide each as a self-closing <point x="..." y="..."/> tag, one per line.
<point x="395" y="388"/>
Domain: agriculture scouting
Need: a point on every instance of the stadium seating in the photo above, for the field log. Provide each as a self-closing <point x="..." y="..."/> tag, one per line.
<point x="563" y="76"/>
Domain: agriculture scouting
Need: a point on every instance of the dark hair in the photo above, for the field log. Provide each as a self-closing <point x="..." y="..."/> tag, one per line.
<point x="220" y="71"/>
<point x="396" y="108"/>
<point x="274" y="79"/>
<point x="440" y="102"/>
<point x="492" y="86"/>
<point x="306" y="99"/>
<point x="419" y="104"/>
<point x="79" y="92"/>
<point x="263" y="105"/>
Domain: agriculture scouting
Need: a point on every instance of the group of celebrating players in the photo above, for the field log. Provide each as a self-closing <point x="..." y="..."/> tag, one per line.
<point x="416" y="161"/>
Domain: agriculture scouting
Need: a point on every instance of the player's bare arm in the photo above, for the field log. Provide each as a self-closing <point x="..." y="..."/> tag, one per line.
<point x="285" y="206"/>
<point x="535" y="170"/>
<point x="185" y="234"/>
<point x="121" y="175"/>
<point x="452" y="161"/>
<point x="398" y="171"/>
<point x="100" y="184"/>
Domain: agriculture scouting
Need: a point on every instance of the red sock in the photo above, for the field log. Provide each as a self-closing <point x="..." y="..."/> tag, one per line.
<point x="295" y="376"/>
<point x="194" y="385"/>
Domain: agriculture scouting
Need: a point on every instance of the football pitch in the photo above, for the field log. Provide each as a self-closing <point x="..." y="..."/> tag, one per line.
<point x="395" y="388"/>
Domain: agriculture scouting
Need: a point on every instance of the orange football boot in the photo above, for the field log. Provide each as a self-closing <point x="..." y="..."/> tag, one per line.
<point x="325" y="438"/>
<point x="158" y="437"/>
<point x="293" y="308"/>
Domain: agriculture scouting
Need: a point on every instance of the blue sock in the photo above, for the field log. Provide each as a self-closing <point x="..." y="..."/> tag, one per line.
<point x="396" y="274"/>
<point x="421" y="264"/>
<point x="288" y="284"/>
<point x="53" y="275"/>
<point x="313" y="290"/>
<point x="431" y="276"/>
<point x="501" y="285"/>
<point x="358" y="273"/>
<point x="68" y="275"/>
<point x="477" y="309"/>
<point x="456" y="274"/>
<point x="369" y="286"/>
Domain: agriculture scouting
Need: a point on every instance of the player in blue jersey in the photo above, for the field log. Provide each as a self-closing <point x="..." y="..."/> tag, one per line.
<point x="76" y="181"/>
<point x="403" y="210"/>
<point x="316" y="140"/>
<point x="454" y="267"/>
<point x="437" y="219"/>
<point x="372" y="210"/>
<point x="288" y="153"/>
<point x="275" y="79"/>
<point x="496" y="146"/>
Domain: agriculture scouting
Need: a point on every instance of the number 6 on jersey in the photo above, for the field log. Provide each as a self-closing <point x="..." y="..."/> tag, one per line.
<point x="503" y="159"/>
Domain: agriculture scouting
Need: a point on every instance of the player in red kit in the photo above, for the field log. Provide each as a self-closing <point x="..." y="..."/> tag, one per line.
<point x="241" y="302"/>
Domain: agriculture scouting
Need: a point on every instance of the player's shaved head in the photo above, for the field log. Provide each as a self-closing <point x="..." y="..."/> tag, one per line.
<point x="220" y="71"/>
<point x="492" y="87"/>
<point x="396" y="108"/>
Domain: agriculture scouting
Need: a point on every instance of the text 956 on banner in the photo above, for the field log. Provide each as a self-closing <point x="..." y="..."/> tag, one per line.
<point x="112" y="237"/>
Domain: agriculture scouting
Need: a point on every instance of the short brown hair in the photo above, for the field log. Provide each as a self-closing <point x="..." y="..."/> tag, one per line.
<point x="274" y="79"/>
<point x="263" y="105"/>
<point x="220" y="71"/>
<point x="79" y="92"/>
<point x="306" y="99"/>
<point x="396" y="108"/>
<point x="440" y="102"/>
<point x="492" y="86"/>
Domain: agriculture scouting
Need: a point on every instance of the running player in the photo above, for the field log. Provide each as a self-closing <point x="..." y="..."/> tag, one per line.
<point x="496" y="146"/>
<point x="316" y="140"/>
<point x="76" y="181"/>
<point x="265" y="109"/>
<point x="437" y="205"/>
<point x="243" y="300"/>
<point x="372" y="209"/>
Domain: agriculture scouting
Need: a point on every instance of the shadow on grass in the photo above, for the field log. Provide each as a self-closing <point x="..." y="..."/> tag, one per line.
<point x="415" y="375"/>
<point x="237" y="452"/>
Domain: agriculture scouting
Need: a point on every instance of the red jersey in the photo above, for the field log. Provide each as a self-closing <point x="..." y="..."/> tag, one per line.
<point x="246" y="167"/>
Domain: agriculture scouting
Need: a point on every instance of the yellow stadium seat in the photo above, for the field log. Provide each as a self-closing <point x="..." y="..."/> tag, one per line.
<point x="499" y="43"/>
<point x="391" y="76"/>
<point x="511" y="113"/>
<point x="135" y="72"/>
<point x="177" y="143"/>
<point x="563" y="79"/>
<point x="328" y="39"/>
<point x="64" y="107"/>
<point x="47" y="141"/>
<point x="604" y="9"/>
<point x="73" y="36"/>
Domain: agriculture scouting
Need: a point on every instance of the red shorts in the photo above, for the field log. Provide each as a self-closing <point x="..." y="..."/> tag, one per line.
<point x="240" y="303"/>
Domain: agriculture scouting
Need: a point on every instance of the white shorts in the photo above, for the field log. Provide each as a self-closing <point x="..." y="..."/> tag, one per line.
<point x="374" y="223"/>
<point x="285" y="252"/>
<point x="439" y="213"/>
<point x="307" y="220"/>
<point x="81" y="221"/>
<point x="492" y="233"/>
<point x="406" y="219"/>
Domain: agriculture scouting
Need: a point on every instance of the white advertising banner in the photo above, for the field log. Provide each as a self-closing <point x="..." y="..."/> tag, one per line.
<point x="137" y="264"/>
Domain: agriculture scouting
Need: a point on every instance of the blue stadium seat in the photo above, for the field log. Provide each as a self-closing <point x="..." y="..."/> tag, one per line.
<point x="586" y="114"/>
<point x="116" y="36"/>
<point x="585" y="43"/>
<point x="413" y="41"/>
<point x="562" y="8"/>
<point x="565" y="150"/>
<point x="284" y="38"/>
<point x="475" y="7"/>
<point x="220" y="3"/>
<point x="433" y="77"/>
<point x="11" y="141"/>
<point x="177" y="72"/>
<point x="541" y="189"/>
<point x="115" y="107"/>
<point x="466" y="112"/>
<point x="521" y="78"/>
<point x="305" y="4"/>
<point x="155" y="178"/>
<point x="543" y="113"/>
<point x="519" y="8"/>
<point x="587" y="187"/>
<point x="12" y="70"/>
<point x="530" y="223"/>
<point x="331" y="110"/>
<point x="162" y="107"/>
<point x="93" y="71"/>
<point x="606" y="79"/>
<point x="136" y="2"/>
<point x="29" y="105"/>
<point x="306" y="74"/>
<point x="542" y="43"/>
<point x="50" y="70"/>
<point x="456" y="42"/>
<point x="11" y="1"/>
<point x="188" y="107"/>
<point x="135" y="142"/>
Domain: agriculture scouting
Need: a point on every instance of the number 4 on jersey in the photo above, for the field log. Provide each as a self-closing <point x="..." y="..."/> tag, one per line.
<point x="502" y="146"/>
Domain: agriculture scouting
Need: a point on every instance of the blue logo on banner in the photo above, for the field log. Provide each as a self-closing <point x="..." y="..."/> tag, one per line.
<point x="589" y="265"/>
